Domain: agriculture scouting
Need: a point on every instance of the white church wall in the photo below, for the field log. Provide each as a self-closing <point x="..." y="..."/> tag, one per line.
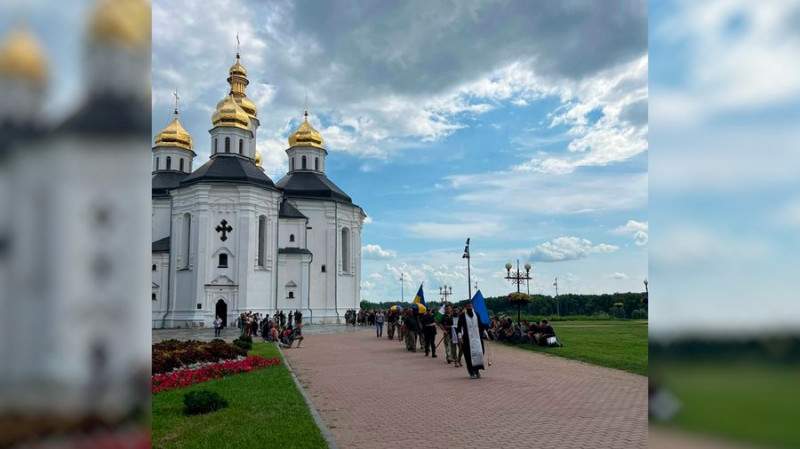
<point x="161" y="218"/>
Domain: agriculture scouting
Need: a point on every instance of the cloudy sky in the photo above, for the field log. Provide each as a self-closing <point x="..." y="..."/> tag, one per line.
<point x="522" y="126"/>
<point x="725" y="203"/>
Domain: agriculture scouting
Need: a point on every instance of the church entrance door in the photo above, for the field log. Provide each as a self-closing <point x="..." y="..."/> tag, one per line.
<point x="222" y="312"/>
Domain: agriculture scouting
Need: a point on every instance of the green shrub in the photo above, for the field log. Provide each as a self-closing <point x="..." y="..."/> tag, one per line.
<point x="617" y="312"/>
<point x="202" y="401"/>
<point x="244" y="342"/>
<point x="639" y="314"/>
<point x="217" y="340"/>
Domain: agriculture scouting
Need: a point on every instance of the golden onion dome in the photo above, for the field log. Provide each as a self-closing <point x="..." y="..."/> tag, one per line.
<point x="237" y="68"/>
<point x="229" y="113"/>
<point x="258" y="159"/>
<point x="21" y="57"/>
<point x="248" y="106"/>
<point x="305" y="135"/>
<point x="174" y="135"/>
<point x="122" y="22"/>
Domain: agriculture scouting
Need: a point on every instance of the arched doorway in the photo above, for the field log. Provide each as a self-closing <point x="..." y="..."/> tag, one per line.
<point x="222" y="312"/>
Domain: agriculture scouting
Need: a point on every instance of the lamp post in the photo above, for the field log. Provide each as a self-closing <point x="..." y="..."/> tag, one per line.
<point x="469" y="277"/>
<point x="444" y="292"/>
<point x="518" y="277"/>
<point x="645" y="287"/>
<point x="558" y="308"/>
<point x="402" y="297"/>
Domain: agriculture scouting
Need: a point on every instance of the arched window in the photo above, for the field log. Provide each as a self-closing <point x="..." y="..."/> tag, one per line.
<point x="291" y="238"/>
<point x="323" y="269"/>
<point x="262" y="238"/>
<point x="186" y="239"/>
<point x="291" y="295"/>
<point x="241" y="146"/>
<point x="223" y="261"/>
<point x="181" y="164"/>
<point x="215" y="144"/>
<point x="227" y="144"/>
<point x="154" y="297"/>
<point x="154" y="267"/>
<point x="345" y="250"/>
<point x="304" y="163"/>
<point x="169" y="163"/>
<point x="292" y="163"/>
<point x="316" y="163"/>
<point x="156" y="162"/>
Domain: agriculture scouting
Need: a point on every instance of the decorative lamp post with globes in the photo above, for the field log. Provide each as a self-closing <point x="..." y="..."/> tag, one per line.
<point x="518" y="277"/>
<point x="444" y="292"/>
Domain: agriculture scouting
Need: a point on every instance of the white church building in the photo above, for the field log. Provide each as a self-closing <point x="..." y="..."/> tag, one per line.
<point x="227" y="239"/>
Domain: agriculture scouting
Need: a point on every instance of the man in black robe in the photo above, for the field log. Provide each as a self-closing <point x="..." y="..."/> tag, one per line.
<point x="469" y="332"/>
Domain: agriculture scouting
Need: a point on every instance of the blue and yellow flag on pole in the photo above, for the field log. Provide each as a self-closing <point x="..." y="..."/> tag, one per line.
<point x="420" y="298"/>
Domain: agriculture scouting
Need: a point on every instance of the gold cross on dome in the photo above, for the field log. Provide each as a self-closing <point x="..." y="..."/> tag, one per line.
<point x="175" y="94"/>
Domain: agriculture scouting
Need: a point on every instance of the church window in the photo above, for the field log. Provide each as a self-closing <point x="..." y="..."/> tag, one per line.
<point x="291" y="295"/>
<point x="241" y="146"/>
<point x="345" y="250"/>
<point x="223" y="261"/>
<point x="156" y="163"/>
<point x="316" y="163"/>
<point x="154" y="297"/>
<point x="262" y="234"/>
<point x="304" y="163"/>
<point x="324" y="269"/>
<point x="199" y="306"/>
<point x="181" y="164"/>
<point x="227" y="144"/>
<point x="169" y="163"/>
<point x="154" y="267"/>
<point x="215" y="144"/>
<point x="292" y="163"/>
<point x="291" y="238"/>
<point x="187" y="230"/>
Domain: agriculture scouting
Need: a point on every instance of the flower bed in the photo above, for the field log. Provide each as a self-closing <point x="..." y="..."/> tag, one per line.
<point x="186" y="377"/>
<point x="171" y="354"/>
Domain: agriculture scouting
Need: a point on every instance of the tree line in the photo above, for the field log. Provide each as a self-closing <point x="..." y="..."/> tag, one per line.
<point x="623" y="305"/>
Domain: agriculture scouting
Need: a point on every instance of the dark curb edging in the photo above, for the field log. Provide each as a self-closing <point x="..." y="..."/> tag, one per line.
<point x="326" y="433"/>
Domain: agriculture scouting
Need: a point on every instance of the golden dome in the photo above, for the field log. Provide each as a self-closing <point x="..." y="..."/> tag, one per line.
<point x="229" y="113"/>
<point x="248" y="106"/>
<point x="305" y="135"/>
<point x="174" y="135"/>
<point x="237" y="68"/>
<point x="123" y="22"/>
<point x="22" y="57"/>
<point x="258" y="159"/>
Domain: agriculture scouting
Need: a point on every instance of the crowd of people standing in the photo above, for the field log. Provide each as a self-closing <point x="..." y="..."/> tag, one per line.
<point x="462" y="329"/>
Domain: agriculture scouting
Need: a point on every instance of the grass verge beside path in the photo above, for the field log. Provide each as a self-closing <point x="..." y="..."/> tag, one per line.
<point x="616" y="344"/>
<point x="265" y="410"/>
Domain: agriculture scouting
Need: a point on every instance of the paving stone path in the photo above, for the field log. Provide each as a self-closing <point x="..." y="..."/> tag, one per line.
<point x="372" y="393"/>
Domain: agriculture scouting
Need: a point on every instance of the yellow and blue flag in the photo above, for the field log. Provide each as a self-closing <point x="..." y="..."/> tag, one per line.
<point x="420" y="298"/>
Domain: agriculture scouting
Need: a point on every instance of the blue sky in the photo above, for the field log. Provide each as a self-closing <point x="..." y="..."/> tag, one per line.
<point x="724" y="196"/>
<point x="521" y="127"/>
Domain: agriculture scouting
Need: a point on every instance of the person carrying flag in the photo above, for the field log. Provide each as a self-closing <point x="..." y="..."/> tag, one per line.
<point x="469" y="337"/>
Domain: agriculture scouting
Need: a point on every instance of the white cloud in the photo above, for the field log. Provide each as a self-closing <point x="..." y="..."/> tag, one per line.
<point x="618" y="275"/>
<point x="638" y="229"/>
<point x="368" y="220"/>
<point x="376" y="252"/>
<point x="567" y="248"/>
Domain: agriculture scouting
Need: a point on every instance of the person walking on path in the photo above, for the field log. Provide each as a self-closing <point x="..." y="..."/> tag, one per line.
<point x="447" y="329"/>
<point x="412" y="328"/>
<point x="428" y="322"/>
<point x="217" y="326"/>
<point x="469" y="337"/>
<point x="379" y="318"/>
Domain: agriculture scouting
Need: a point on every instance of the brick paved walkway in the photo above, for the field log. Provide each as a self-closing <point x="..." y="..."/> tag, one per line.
<point x="372" y="393"/>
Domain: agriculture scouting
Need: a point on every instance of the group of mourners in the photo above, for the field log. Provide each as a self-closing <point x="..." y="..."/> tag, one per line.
<point x="360" y="317"/>
<point x="462" y="328"/>
<point x="537" y="333"/>
<point x="275" y="329"/>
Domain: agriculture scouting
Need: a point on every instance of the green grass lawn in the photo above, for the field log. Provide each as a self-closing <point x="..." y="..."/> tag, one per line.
<point x="614" y="344"/>
<point x="265" y="410"/>
<point x="751" y="402"/>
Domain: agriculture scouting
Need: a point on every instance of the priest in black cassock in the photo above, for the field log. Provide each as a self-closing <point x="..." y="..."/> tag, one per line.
<point x="469" y="331"/>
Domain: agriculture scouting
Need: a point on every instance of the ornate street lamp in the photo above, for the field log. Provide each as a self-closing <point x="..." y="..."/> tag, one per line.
<point x="444" y="292"/>
<point x="518" y="277"/>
